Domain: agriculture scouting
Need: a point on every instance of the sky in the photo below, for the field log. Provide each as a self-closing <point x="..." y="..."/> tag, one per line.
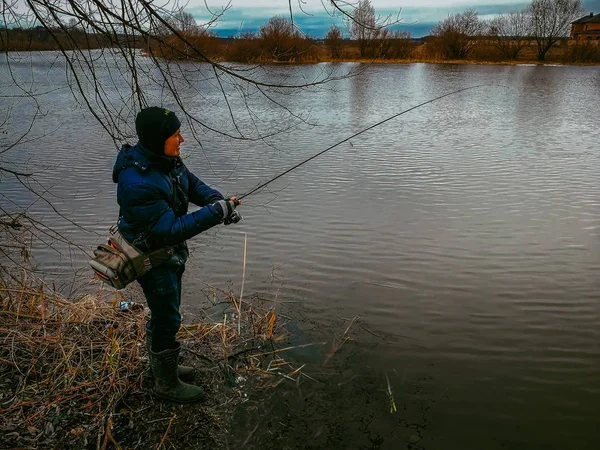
<point x="418" y="16"/>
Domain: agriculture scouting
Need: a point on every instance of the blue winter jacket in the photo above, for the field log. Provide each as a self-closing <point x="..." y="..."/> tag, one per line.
<point x="153" y="193"/>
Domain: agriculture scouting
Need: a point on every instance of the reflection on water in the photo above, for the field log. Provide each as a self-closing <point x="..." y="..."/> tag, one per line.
<point x="464" y="235"/>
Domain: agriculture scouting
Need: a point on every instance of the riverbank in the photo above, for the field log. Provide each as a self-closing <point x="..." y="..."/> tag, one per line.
<point x="442" y="61"/>
<point x="307" y="51"/>
<point x="74" y="373"/>
<point x="403" y="51"/>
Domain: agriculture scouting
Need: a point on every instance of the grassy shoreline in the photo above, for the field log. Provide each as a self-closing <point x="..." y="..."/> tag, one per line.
<point x="74" y="373"/>
<point x="553" y="60"/>
<point x="436" y="61"/>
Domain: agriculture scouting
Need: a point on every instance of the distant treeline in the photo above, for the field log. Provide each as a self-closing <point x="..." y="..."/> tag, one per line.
<point x="279" y="41"/>
<point x="39" y="38"/>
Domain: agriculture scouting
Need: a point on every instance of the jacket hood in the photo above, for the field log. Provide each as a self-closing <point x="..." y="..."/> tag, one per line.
<point x="142" y="158"/>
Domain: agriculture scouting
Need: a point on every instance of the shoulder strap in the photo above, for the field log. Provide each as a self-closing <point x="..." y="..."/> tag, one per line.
<point x="174" y="187"/>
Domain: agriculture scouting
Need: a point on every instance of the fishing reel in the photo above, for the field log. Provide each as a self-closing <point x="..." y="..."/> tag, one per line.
<point x="234" y="217"/>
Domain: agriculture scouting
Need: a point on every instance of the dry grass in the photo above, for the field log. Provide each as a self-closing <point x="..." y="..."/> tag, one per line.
<point x="484" y="54"/>
<point x="73" y="374"/>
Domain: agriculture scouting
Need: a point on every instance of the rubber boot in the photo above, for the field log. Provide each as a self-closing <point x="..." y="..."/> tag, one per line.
<point x="185" y="373"/>
<point x="167" y="384"/>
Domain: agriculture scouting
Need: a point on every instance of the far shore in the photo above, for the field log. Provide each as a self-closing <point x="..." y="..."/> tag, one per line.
<point x="436" y="61"/>
<point x="322" y="60"/>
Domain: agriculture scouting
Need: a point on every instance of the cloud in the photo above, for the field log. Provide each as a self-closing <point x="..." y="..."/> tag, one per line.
<point x="419" y="16"/>
<point x="315" y="5"/>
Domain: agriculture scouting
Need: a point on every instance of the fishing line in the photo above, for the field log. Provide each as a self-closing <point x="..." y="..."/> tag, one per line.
<point x="354" y="135"/>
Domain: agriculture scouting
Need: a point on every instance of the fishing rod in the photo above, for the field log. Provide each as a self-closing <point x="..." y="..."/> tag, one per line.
<point x="353" y="136"/>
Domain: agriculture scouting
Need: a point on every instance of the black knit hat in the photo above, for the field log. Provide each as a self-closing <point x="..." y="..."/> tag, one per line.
<point x="154" y="126"/>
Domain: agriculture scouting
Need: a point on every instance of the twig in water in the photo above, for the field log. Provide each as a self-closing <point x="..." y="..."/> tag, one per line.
<point x="345" y="338"/>
<point x="283" y="302"/>
<point x="291" y="374"/>
<point x="369" y="331"/>
<point x="290" y="348"/>
<point x="242" y="290"/>
<point x="354" y="319"/>
<point x="310" y="378"/>
<point x="390" y="396"/>
<point x="258" y="425"/>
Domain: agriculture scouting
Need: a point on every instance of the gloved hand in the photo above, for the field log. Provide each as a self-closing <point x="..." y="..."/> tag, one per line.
<point x="235" y="217"/>
<point x="226" y="207"/>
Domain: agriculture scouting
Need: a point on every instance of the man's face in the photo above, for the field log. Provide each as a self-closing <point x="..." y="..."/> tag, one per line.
<point x="172" y="144"/>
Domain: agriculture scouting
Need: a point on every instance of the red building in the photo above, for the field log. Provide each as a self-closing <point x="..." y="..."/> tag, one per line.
<point x="586" y="28"/>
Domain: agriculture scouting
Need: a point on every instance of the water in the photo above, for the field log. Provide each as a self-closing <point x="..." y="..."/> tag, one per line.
<point x="463" y="234"/>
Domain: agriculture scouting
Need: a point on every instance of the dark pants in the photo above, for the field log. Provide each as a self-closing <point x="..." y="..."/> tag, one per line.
<point x="162" y="288"/>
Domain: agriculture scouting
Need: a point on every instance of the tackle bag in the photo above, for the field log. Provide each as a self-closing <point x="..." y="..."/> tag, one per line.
<point x="118" y="263"/>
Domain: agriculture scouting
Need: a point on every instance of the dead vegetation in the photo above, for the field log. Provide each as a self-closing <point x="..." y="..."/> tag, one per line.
<point x="73" y="374"/>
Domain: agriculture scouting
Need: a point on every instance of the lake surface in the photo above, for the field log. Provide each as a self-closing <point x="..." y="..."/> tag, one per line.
<point x="464" y="234"/>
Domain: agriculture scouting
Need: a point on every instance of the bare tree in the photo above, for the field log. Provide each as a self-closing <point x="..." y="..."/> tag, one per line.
<point x="115" y="81"/>
<point x="370" y="32"/>
<point x="185" y="23"/>
<point x="551" y="20"/>
<point x="18" y="226"/>
<point x="196" y="36"/>
<point x="334" y="41"/>
<point x="393" y="44"/>
<point x="363" y="27"/>
<point x="510" y="32"/>
<point x="456" y="34"/>
<point x="127" y="27"/>
<point x="73" y="23"/>
<point x="382" y="44"/>
<point x="401" y="44"/>
<point x="278" y="38"/>
<point x="245" y="48"/>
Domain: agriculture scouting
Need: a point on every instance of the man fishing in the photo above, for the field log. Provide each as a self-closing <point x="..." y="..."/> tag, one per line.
<point x="154" y="191"/>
